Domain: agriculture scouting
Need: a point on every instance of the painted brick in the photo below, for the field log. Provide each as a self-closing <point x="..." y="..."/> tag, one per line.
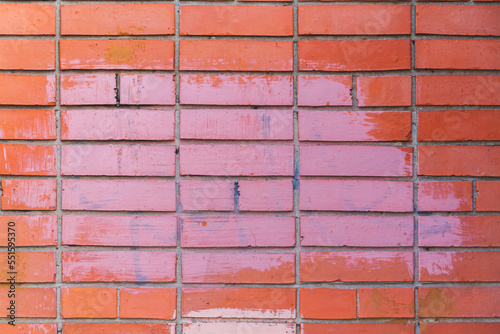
<point x="206" y="195"/>
<point x="233" y="302"/>
<point x="238" y="231"/>
<point x="147" y="303"/>
<point x="124" y="124"/>
<point x="359" y="328"/>
<point x="30" y="302"/>
<point x="356" y="231"/>
<point x="265" y="268"/>
<point x="29" y="328"/>
<point x="356" y="195"/>
<point x="324" y="90"/>
<point x="116" y="54"/>
<point x="238" y="327"/>
<point x="488" y="193"/>
<point x="386" y="303"/>
<point x="383" y="91"/>
<point x="27" y="124"/>
<point x="444" y="196"/>
<point x="98" y="89"/>
<point x="269" y="195"/>
<point x="27" y="19"/>
<point x="31" y="267"/>
<point x="460" y="328"/>
<point x="356" y="266"/>
<point x="119" y="230"/>
<point x="236" y="124"/>
<point x="30" y="230"/>
<point x="19" y="89"/>
<point x="17" y="54"/>
<point x="27" y="159"/>
<point x="316" y="125"/>
<point x="117" y="19"/>
<point x="118" y="328"/>
<point x="118" y="266"/>
<point x="151" y="89"/>
<point x="320" y="303"/>
<point x="118" y="195"/>
<point x="236" y="89"/>
<point x="88" y="302"/>
<point x="29" y="194"/>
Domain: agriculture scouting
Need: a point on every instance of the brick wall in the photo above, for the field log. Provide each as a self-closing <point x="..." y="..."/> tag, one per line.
<point x="251" y="167"/>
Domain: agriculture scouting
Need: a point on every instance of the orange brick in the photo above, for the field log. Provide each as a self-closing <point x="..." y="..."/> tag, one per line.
<point x="88" y="302"/>
<point x="386" y="303"/>
<point x="384" y="91"/>
<point x="117" y="328"/>
<point x="27" y="124"/>
<point x="488" y="195"/>
<point x="17" y="54"/>
<point x="31" y="267"/>
<point x="30" y="230"/>
<point x="21" y="89"/>
<point x="29" y="302"/>
<point x="29" y="328"/>
<point x="460" y="328"/>
<point x="444" y="196"/>
<point x="148" y="303"/>
<point x="27" y="19"/>
<point x="320" y="303"/>
<point x="371" y="328"/>
<point x="29" y="194"/>
<point x="41" y="158"/>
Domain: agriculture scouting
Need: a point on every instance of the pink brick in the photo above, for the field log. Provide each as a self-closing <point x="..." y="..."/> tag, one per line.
<point x="116" y="266"/>
<point x="236" y="124"/>
<point x="98" y="89"/>
<point x="120" y="160"/>
<point x="238" y="327"/>
<point x="445" y="196"/>
<point x="258" y="160"/>
<point x="324" y="90"/>
<point x="238" y="231"/>
<point x="125" y="124"/>
<point x="122" y="230"/>
<point x="269" y="195"/>
<point x="152" y="89"/>
<point x="236" y="89"/>
<point x="207" y="195"/>
<point x="356" y="231"/>
<point x="118" y="195"/>
<point x="356" y="195"/>
<point x="341" y="160"/>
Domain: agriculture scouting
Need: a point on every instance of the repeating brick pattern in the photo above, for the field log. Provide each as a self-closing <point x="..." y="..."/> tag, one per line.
<point x="264" y="166"/>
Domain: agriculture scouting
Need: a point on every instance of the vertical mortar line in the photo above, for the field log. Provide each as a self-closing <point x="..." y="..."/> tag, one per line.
<point x="474" y="195"/>
<point x="118" y="293"/>
<point x="357" y="304"/>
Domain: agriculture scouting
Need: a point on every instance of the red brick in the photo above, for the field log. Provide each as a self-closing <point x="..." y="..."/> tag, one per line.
<point x="357" y="328"/>
<point x="459" y="266"/>
<point x="234" y="55"/>
<point x="453" y="231"/>
<point x="29" y="328"/>
<point x="31" y="267"/>
<point x="356" y="266"/>
<point x="118" y="266"/>
<point x="236" y="124"/>
<point x="316" y="125"/>
<point x="88" y="302"/>
<point x="324" y="90"/>
<point x="449" y="160"/>
<point x="265" y="268"/>
<point x="488" y="193"/>
<point x="351" y="160"/>
<point x="269" y="195"/>
<point x="29" y="194"/>
<point x="458" y="90"/>
<point x="18" y="89"/>
<point x="125" y="124"/>
<point x="27" y="19"/>
<point x="27" y="159"/>
<point x="118" y="195"/>
<point x="238" y="231"/>
<point x="386" y="303"/>
<point x="328" y="303"/>
<point x="122" y="230"/>
<point x="458" y="20"/>
<point x="458" y="125"/>
<point x="30" y="230"/>
<point x="147" y="303"/>
<point x="116" y="54"/>
<point x="361" y="55"/>
<point x="88" y="89"/>
<point x="207" y="195"/>
<point x="444" y="196"/>
<point x="356" y="195"/>
<point x="29" y="302"/>
<point x="120" y="160"/>
<point x="356" y="231"/>
<point x="383" y="91"/>
<point x="17" y="54"/>
<point x="118" y="328"/>
<point x="236" y="20"/>
<point x="233" y="302"/>
<point x="460" y="328"/>
<point x="354" y="19"/>
<point x="458" y="301"/>
<point x="255" y="160"/>
<point x="27" y="124"/>
<point x="238" y="327"/>
<point x="152" y="89"/>
<point x="241" y="89"/>
<point x="117" y="19"/>
<point x="457" y="54"/>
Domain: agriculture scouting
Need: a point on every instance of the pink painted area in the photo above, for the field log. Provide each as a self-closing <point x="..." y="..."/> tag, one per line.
<point x="356" y="195"/>
<point x="236" y="124"/>
<point x="239" y="327"/>
<point x="238" y="231"/>
<point x="356" y="231"/>
<point x="268" y="195"/>
<point x="31" y="230"/>
<point x="124" y="124"/>
<point x="238" y="268"/>
<point x="207" y="195"/>
<point x="258" y="160"/>
<point x="116" y="266"/>
<point x="121" y="160"/>
<point x="445" y="196"/>
<point x="356" y="160"/>
<point x="122" y="230"/>
<point x="236" y="89"/>
<point x="88" y="89"/>
<point x="118" y="195"/>
<point x="29" y="194"/>
<point x="149" y="89"/>
<point x="324" y="90"/>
